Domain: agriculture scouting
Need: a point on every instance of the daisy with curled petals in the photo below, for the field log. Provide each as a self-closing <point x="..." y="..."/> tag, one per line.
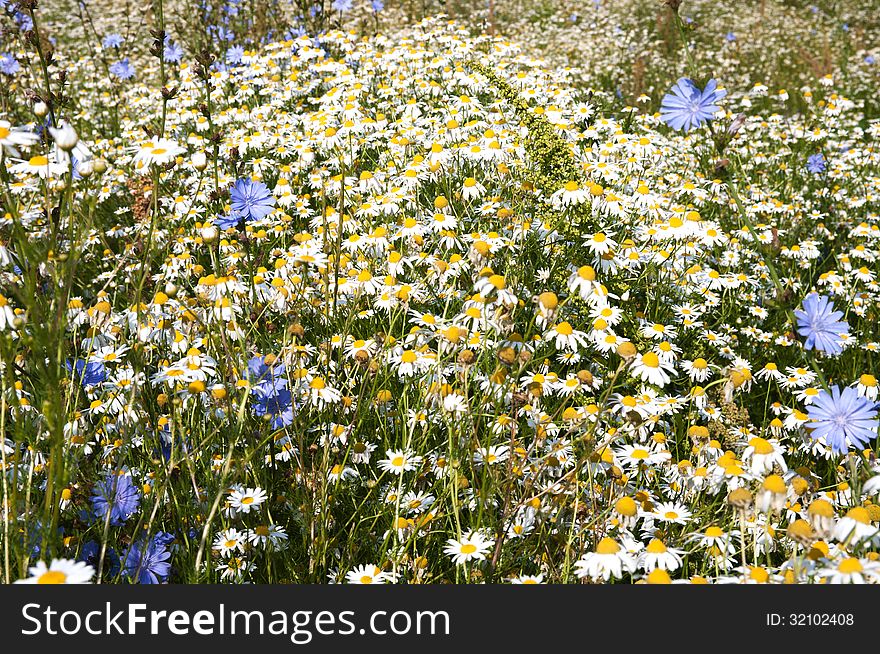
<point x="650" y="368"/>
<point x="762" y="454"/>
<point x="473" y="546"/>
<point x="600" y="243"/>
<point x="855" y="526"/>
<point x="234" y="569"/>
<point x="320" y="393"/>
<point x="59" y="571"/>
<point x="658" y="555"/>
<point x="571" y="194"/>
<point x="698" y="369"/>
<point x="566" y="337"/>
<point x="608" y="560"/>
<point x="247" y="499"/>
<point x="867" y="386"/>
<point x="267" y="536"/>
<point x="583" y="282"/>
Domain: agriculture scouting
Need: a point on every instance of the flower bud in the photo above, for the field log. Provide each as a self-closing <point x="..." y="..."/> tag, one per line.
<point x="209" y="233"/>
<point x="85" y="169"/>
<point x="200" y="161"/>
<point x="65" y="136"/>
<point x="41" y="109"/>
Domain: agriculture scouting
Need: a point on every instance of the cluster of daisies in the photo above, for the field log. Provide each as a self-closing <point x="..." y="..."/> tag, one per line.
<point x="315" y="321"/>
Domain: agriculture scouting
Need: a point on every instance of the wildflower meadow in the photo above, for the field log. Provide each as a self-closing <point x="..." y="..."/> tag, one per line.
<point x="402" y="291"/>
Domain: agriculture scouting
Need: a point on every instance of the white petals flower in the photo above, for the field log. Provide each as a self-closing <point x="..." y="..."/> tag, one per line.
<point x="59" y="571"/>
<point x="473" y="546"/>
<point x="399" y="461"/>
<point x="607" y="561"/>
<point x="247" y="499"/>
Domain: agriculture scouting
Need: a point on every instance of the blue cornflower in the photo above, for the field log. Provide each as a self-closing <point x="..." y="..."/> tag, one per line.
<point x="686" y="107"/>
<point x="117" y="494"/>
<point x="231" y="219"/>
<point x="816" y="164"/>
<point x="90" y="373"/>
<point x="91" y="553"/>
<point x="276" y="403"/>
<point x="35" y="537"/>
<point x="173" y="52"/>
<point x="377" y="5"/>
<point x="730" y="37"/>
<point x="25" y="23"/>
<point x="112" y="41"/>
<point x="147" y="562"/>
<point x="259" y="372"/>
<point x="164" y="538"/>
<point x="843" y="418"/>
<point x="224" y="34"/>
<point x="122" y="69"/>
<point x="821" y="324"/>
<point x="870" y="60"/>
<point x="251" y="200"/>
<point x="234" y="55"/>
<point x="341" y="5"/>
<point x="8" y="64"/>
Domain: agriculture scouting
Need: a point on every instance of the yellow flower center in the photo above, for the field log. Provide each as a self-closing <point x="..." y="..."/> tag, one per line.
<point x="761" y="445"/>
<point x="850" y="565"/>
<point x="607" y="546"/>
<point x="656" y="547"/>
<point x="52" y="577"/>
<point x="564" y="328"/>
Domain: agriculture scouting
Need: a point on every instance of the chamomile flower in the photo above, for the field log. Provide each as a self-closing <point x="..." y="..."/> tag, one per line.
<point x="608" y="560"/>
<point x="399" y="461"/>
<point x="473" y="546"/>
<point x="59" y="571"/>
<point x="247" y="499"/>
